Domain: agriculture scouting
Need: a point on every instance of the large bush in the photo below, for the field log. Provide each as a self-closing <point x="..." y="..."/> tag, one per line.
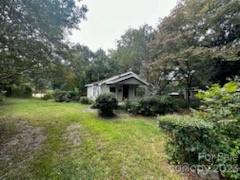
<point x="132" y="106"/>
<point x="21" y="91"/>
<point x="189" y="137"/>
<point x="106" y="103"/>
<point x="85" y="100"/>
<point x="213" y="131"/>
<point x="222" y="107"/>
<point x="151" y="105"/>
<point x="73" y="95"/>
<point x="65" y="96"/>
<point x="48" y="95"/>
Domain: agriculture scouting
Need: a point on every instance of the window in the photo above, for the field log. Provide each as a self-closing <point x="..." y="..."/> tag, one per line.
<point x="112" y="89"/>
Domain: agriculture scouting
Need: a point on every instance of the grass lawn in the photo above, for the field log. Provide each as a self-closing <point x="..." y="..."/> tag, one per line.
<point x="42" y="140"/>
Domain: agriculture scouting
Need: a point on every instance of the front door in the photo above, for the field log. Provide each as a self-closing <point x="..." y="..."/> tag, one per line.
<point x="125" y="91"/>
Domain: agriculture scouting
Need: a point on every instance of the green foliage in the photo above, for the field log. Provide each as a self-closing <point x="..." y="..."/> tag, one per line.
<point x="213" y="130"/>
<point x="180" y="103"/>
<point x="60" y="96"/>
<point x="21" y="91"/>
<point x="106" y="103"/>
<point x="191" y="40"/>
<point x="85" y="100"/>
<point x="132" y="49"/>
<point x="73" y="95"/>
<point x="48" y="95"/>
<point x="189" y="137"/>
<point x="151" y="105"/>
<point x="1" y="97"/>
<point x="65" y="96"/>
<point x="30" y="38"/>
<point x="132" y="106"/>
<point x="222" y="104"/>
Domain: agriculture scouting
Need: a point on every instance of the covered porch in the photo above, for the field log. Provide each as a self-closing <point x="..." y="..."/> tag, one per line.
<point x="124" y="91"/>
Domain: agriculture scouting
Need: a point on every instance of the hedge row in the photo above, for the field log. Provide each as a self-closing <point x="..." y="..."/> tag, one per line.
<point x="157" y="105"/>
<point x="66" y="96"/>
<point x="197" y="142"/>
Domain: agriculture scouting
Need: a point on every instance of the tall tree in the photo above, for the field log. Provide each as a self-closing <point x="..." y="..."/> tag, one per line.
<point x="100" y="67"/>
<point x="32" y="31"/>
<point x="192" y="37"/>
<point x="132" y="48"/>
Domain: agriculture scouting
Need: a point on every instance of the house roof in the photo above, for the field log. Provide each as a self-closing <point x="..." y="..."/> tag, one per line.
<point x="118" y="78"/>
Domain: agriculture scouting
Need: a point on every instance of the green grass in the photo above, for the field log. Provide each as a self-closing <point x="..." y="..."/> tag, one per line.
<point x="121" y="148"/>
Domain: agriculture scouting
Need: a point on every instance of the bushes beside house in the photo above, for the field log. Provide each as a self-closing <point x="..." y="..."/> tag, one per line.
<point x="85" y="100"/>
<point x="67" y="96"/>
<point x="106" y="103"/>
<point x="151" y="105"/>
<point x="158" y="105"/>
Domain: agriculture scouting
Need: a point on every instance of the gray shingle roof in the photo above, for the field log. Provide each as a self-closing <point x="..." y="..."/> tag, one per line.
<point x="118" y="78"/>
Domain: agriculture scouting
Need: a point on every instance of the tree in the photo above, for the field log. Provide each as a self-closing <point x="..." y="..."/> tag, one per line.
<point x="132" y="48"/>
<point x="80" y="58"/>
<point x="190" y="40"/>
<point x="32" y="32"/>
<point x="100" y="66"/>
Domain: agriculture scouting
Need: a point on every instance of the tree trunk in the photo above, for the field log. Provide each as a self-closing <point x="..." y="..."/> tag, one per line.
<point x="189" y="86"/>
<point x="188" y="97"/>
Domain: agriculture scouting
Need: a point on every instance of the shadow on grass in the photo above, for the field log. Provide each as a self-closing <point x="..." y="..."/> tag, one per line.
<point x="108" y="116"/>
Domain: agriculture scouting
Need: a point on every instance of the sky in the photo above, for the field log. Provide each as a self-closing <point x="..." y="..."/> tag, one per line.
<point x="107" y="20"/>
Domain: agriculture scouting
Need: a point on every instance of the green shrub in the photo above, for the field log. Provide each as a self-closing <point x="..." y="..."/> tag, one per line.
<point x="73" y="95"/>
<point x="151" y="105"/>
<point x="106" y="103"/>
<point x="21" y="91"/>
<point x="214" y="131"/>
<point x="189" y="137"/>
<point x="221" y="105"/>
<point x="48" y="95"/>
<point x="132" y="106"/>
<point x="195" y="103"/>
<point x="61" y="96"/>
<point x="193" y="141"/>
<point x="85" y="100"/>
<point x="180" y="103"/>
<point x="1" y="97"/>
<point x="65" y="96"/>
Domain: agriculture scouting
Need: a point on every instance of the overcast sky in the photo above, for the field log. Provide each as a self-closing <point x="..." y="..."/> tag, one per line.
<point x="107" y="20"/>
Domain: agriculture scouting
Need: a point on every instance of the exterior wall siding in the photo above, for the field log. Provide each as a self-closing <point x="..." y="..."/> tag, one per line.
<point x="131" y="93"/>
<point x="90" y="92"/>
<point x="131" y="81"/>
<point x="94" y="91"/>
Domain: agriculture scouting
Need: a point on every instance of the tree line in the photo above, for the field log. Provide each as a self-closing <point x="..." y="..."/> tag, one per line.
<point x="196" y="45"/>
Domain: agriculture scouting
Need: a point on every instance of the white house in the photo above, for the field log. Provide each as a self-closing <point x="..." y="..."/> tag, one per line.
<point x="122" y="85"/>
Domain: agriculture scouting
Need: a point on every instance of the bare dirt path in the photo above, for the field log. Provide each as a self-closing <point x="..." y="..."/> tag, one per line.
<point x="20" y="145"/>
